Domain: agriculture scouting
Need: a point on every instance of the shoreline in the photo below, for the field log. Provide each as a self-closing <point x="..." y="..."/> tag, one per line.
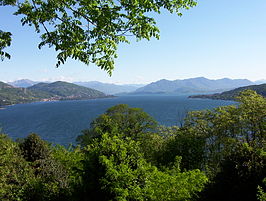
<point x="2" y="107"/>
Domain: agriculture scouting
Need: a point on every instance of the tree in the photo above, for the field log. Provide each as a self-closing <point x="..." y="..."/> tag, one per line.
<point x="132" y="122"/>
<point x="242" y="171"/>
<point x="115" y="169"/>
<point x="33" y="148"/>
<point x="225" y="126"/>
<point x="15" y="173"/>
<point x="52" y="178"/>
<point x="90" y="30"/>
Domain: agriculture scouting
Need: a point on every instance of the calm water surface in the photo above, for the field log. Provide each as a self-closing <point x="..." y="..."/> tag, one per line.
<point x="61" y="122"/>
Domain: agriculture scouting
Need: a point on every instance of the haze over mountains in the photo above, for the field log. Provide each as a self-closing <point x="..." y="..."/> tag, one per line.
<point x="23" y="83"/>
<point x="186" y="86"/>
<point x="193" y="85"/>
<point x="110" y="88"/>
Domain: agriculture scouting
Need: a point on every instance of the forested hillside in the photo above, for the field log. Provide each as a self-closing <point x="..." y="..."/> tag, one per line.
<point x="45" y="92"/>
<point x="232" y="94"/>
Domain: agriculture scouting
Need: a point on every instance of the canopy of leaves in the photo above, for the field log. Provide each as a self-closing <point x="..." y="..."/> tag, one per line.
<point x="90" y="30"/>
<point x="116" y="170"/>
<point x="132" y="122"/>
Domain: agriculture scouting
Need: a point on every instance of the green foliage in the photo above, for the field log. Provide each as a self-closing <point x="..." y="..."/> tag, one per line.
<point x="115" y="169"/>
<point x="181" y="142"/>
<point x="5" y="41"/>
<point x="90" y="31"/>
<point x="72" y="161"/>
<point x="52" y="179"/>
<point x="242" y="170"/>
<point x="261" y="193"/>
<point x="33" y="148"/>
<point x="15" y="173"/>
<point x="224" y="126"/>
<point x="132" y="122"/>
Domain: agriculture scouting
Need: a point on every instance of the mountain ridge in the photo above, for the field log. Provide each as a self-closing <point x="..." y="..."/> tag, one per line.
<point x="193" y="85"/>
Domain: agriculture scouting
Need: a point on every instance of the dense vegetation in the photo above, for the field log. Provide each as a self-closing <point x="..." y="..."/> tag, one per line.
<point x="45" y="91"/>
<point x="217" y="155"/>
<point x="232" y="94"/>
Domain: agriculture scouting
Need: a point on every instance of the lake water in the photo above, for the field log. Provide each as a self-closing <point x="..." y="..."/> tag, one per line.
<point x="61" y="122"/>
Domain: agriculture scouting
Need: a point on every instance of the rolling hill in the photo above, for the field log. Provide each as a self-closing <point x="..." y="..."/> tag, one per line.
<point x="232" y="94"/>
<point x="65" y="90"/>
<point x="46" y="92"/>
<point x="11" y="95"/>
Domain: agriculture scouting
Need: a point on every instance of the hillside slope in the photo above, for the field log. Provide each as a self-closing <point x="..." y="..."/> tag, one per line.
<point x="65" y="90"/>
<point x="46" y="92"/>
<point x="232" y="94"/>
<point x="10" y="95"/>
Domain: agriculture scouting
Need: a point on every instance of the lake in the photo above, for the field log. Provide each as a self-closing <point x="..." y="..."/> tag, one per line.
<point x="62" y="121"/>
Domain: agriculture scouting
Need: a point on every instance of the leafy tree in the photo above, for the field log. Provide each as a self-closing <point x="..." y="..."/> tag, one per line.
<point x="182" y="142"/>
<point x="90" y="30"/>
<point x="15" y="173"/>
<point x="224" y="126"/>
<point x="115" y="169"/>
<point x="72" y="161"/>
<point x="242" y="171"/>
<point x="261" y="193"/>
<point x="34" y="148"/>
<point x="132" y="122"/>
<point x="51" y="179"/>
<point x="5" y="41"/>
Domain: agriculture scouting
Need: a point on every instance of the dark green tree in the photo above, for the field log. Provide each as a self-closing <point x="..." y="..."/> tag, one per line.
<point x="132" y="122"/>
<point x="33" y="148"/>
<point x="242" y="171"/>
<point x="15" y="172"/>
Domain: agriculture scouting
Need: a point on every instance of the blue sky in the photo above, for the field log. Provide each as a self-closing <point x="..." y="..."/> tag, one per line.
<point x="216" y="39"/>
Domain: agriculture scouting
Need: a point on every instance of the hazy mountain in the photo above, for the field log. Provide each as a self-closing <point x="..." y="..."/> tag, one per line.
<point x="23" y="83"/>
<point x="260" y="82"/>
<point x="46" y="92"/>
<point x="230" y="95"/>
<point x="193" y="85"/>
<point x="110" y="88"/>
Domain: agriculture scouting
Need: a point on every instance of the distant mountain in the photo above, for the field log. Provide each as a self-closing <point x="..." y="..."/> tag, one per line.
<point x="12" y="95"/>
<point x="110" y="88"/>
<point x="260" y="82"/>
<point x="65" y="90"/>
<point x="23" y="83"/>
<point x="46" y="92"/>
<point x="193" y="85"/>
<point x="230" y="95"/>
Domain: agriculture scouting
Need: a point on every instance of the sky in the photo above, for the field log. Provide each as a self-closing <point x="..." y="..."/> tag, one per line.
<point x="215" y="39"/>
